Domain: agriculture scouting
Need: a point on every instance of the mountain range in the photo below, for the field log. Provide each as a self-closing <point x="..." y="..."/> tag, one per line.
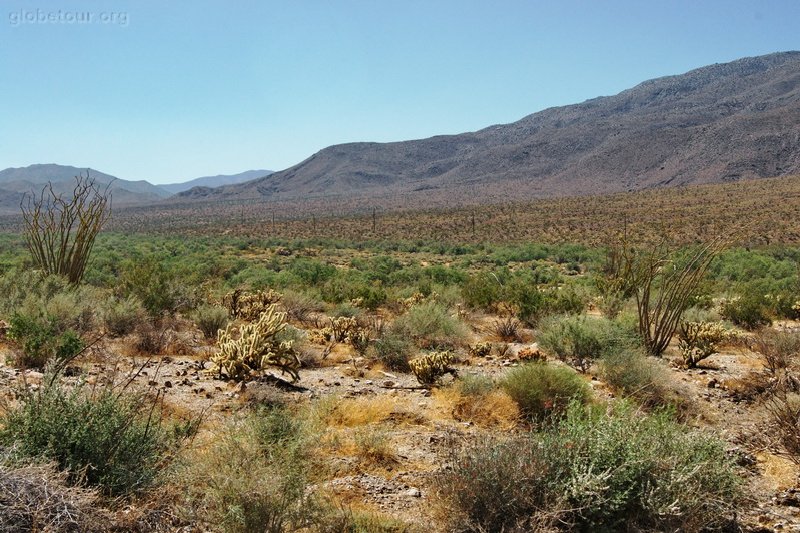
<point x="16" y="182"/>
<point x="723" y="122"/>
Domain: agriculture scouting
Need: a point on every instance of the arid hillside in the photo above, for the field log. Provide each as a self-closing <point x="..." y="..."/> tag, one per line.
<point x="720" y="123"/>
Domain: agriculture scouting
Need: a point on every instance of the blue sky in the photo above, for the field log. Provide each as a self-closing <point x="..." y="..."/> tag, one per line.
<point x="168" y="91"/>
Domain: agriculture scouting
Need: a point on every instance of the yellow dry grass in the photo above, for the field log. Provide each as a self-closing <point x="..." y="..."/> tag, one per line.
<point x="495" y="409"/>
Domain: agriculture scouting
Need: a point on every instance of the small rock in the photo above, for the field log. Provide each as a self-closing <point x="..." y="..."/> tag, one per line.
<point x="713" y="384"/>
<point x="168" y="384"/>
<point x="413" y="492"/>
<point x="388" y="383"/>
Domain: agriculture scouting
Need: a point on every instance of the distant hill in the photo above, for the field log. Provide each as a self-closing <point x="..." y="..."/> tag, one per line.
<point x="724" y="122"/>
<point x="215" y="181"/>
<point x="14" y="182"/>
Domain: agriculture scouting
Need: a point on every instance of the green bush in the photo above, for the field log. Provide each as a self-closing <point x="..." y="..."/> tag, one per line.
<point x="632" y="374"/>
<point x="597" y="470"/>
<point x="210" y="319"/>
<point x="543" y="391"/>
<point x="750" y="310"/>
<point x="580" y="340"/>
<point x="112" y="441"/>
<point x="431" y="325"/>
<point x="42" y="339"/>
<point x="393" y="352"/>
<point x="154" y="285"/>
<point x="122" y="316"/>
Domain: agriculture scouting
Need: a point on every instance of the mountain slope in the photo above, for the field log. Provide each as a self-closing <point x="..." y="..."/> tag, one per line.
<point x="724" y="122"/>
<point x="215" y="181"/>
<point x="14" y="182"/>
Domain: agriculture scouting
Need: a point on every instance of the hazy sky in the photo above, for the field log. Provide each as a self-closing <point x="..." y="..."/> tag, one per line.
<point x="167" y="91"/>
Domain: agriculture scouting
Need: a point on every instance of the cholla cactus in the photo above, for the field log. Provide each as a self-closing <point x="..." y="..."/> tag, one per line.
<point x="482" y="349"/>
<point x="255" y="348"/>
<point x="341" y="327"/>
<point x="698" y="340"/>
<point x="359" y="340"/>
<point x="249" y="305"/>
<point x="796" y="309"/>
<point x="429" y="368"/>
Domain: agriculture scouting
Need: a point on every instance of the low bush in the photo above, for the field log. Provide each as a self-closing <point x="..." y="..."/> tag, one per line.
<point x="254" y="478"/>
<point x="543" y="391"/>
<point x="431" y="326"/>
<point x="122" y="316"/>
<point x="598" y="470"/>
<point x="750" y="310"/>
<point x="210" y="319"/>
<point x="116" y="442"/>
<point x="393" y="352"/>
<point x="778" y="349"/>
<point x="632" y="374"/>
<point x="581" y="340"/>
<point x="36" y="497"/>
<point x="42" y="339"/>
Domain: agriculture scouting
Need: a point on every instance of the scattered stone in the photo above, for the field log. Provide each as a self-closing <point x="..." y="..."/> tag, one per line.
<point x="413" y="492"/>
<point x="168" y="384"/>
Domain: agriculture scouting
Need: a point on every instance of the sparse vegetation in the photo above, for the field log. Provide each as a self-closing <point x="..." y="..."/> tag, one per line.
<point x="543" y="391"/>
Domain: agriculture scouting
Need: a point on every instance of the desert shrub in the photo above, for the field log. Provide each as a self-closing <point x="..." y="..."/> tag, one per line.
<point x="156" y="286"/>
<point x="580" y="340"/>
<point x="750" y="310"/>
<point x="354" y="287"/>
<point x="300" y="305"/>
<point x="122" y="316"/>
<point x="784" y="413"/>
<point x="632" y="374"/>
<point x="254" y="478"/>
<point x="507" y="329"/>
<point x="543" y="391"/>
<point x="42" y="339"/>
<point x="210" y="319"/>
<point x="115" y="442"/>
<point x="431" y="326"/>
<point x="36" y="497"/>
<point x="778" y="349"/>
<point x="478" y="399"/>
<point x="482" y="291"/>
<point x="598" y="470"/>
<point x="393" y="351"/>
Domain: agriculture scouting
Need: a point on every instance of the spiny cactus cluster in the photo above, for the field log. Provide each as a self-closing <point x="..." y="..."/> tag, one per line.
<point x="531" y="354"/>
<point x="796" y="309"/>
<point x="698" y="340"/>
<point x="431" y="367"/>
<point x="416" y="299"/>
<point x="482" y="349"/>
<point x="249" y="305"/>
<point x="255" y="348"/>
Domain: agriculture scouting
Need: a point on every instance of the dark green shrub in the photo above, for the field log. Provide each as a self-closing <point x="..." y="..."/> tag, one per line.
<point x="597" y="470"/>
<point x="112" y="441"/>
<point x="542" y="390"/>
<point x="42" y="339"/>
<point x="154" y="285"/>
<point x="750" y="310"/>
<point x="210" y="319"/>
<point x="482" y="291"/>
<point x="393" y="351"/>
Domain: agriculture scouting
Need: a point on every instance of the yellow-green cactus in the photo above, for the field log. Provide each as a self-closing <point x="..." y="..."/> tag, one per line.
<point x="249" y="305"/>
<point x="698" y="340"/>
<point x="429" y="368"/>
<point x="255" y="347"/>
